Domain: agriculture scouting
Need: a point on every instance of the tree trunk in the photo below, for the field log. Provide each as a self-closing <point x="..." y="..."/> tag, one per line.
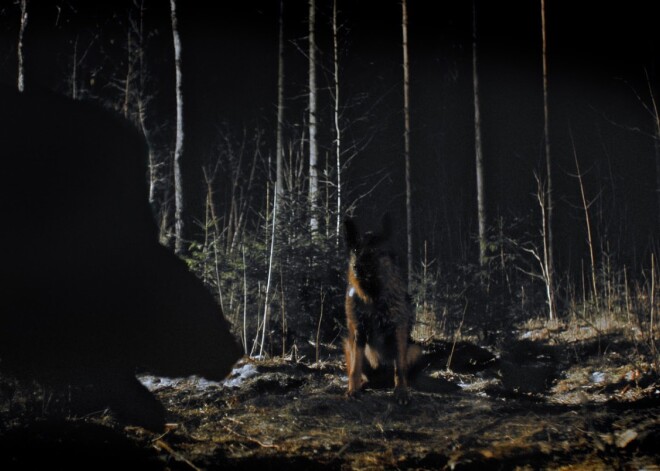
<point x="178" y="151"/>
<point x="21" y="33"/>
<point x="587" y="220"/>
<point x="481" y="198"/>
<point x="268" y="282"/>
<point x="129" y="72"/>
<point x="335" y="50"/>
<point x="313" y="151"/>
<point x="656" y="135"/>
<point x="74" y="70"/>
<point x="406" y="138"/>
<point x="657" y="170"/>
<point x="142" y="112"/>
<point x="279" y="163"/>
<point x="549" y="252"/>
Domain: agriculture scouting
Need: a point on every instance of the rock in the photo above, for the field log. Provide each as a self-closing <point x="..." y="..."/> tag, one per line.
<point x="88" y="293"/>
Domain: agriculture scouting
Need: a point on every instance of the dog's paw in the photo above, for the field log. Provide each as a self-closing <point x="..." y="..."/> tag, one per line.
<point x="402" y="395"/>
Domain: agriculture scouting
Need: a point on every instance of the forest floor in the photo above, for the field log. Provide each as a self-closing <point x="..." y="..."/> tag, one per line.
<point x="546" y="398"/>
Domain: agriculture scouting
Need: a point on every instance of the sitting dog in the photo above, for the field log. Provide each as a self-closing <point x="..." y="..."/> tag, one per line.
<point x="379" y="314"/>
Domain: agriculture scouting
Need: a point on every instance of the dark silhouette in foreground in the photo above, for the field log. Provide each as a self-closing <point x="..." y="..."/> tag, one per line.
<point x="379" y="314"/>
<point x="88" y="293"/>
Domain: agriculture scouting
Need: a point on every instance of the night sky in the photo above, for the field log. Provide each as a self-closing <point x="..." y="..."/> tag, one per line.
<point x="599" y="57"/>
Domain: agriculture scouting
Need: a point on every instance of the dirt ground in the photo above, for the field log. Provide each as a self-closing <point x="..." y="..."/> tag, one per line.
<point x="545" y="399"/>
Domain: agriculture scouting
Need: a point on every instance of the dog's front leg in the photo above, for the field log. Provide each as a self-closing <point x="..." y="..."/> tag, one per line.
<point x="401" y="392"/>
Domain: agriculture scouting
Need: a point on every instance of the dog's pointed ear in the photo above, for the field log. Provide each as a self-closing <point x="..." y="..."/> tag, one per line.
<point x="352" y="234"/>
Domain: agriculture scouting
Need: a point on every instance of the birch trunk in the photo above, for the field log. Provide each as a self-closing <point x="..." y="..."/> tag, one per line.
<point x="481" y="198"/>
<point x="21" y="33"/>
<point x="335" y="51"/>
<point x="142" y="112"/>
<point x="279" y="163"/>
<point x="178" y="151"/>
<point x="406" y="138"/>
<point x="548" y="233"/>
<point x="657" y="171"/>
<point x="313" y="150"/>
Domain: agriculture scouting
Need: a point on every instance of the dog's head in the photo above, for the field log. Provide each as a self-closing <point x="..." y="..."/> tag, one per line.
<point x="365" y="253"/>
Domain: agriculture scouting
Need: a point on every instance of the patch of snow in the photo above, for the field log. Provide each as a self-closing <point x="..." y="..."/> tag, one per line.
<point x="235" y="379"/>
<point x="203" y="383"/>
<point x="155" y="383"/>
<point x="527" y="335"/>
<point x="597" y="377"/>
<point x="240" y="374"/>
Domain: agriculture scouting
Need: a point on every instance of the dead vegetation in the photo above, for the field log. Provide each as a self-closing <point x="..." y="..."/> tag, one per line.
<point x="551" y="397"/>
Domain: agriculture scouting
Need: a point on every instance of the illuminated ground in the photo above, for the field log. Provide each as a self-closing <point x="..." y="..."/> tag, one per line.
<point x="554" y="398"/>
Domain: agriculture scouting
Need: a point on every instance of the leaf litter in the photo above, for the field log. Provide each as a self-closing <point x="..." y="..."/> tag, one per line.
<point x="540" y="400"/>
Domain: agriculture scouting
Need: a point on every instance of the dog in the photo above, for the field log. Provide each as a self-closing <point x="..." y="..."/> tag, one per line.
<point x="379" y="313"/>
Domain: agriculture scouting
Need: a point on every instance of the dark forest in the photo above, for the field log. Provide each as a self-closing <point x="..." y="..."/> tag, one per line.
<point x="505" y="158"/>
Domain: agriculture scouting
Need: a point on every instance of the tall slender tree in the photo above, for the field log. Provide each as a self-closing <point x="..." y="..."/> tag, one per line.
<point x="481" y="193"/>
<point x="656" y="134"/>
<point x="270" y="273"/>
<point x="335" y="54"/>
<point x="21" y="33"/>
<point x="406" y="136"/>
<point x="75" y="62"/>
<point x="279" y="169"/>
<point x="657" y="170"/>
<point x="549" y="204"/>
<point x="313" y="146"/>
<point x="142" y="102"/>
<point x="279" y="151"/>
<point x="125" y="108"/>
<point x="178" y="151"/>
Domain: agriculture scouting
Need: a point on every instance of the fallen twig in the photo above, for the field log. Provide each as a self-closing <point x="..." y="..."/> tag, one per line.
<point x="161" y="445"/>
<point x="250" y="439"/>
